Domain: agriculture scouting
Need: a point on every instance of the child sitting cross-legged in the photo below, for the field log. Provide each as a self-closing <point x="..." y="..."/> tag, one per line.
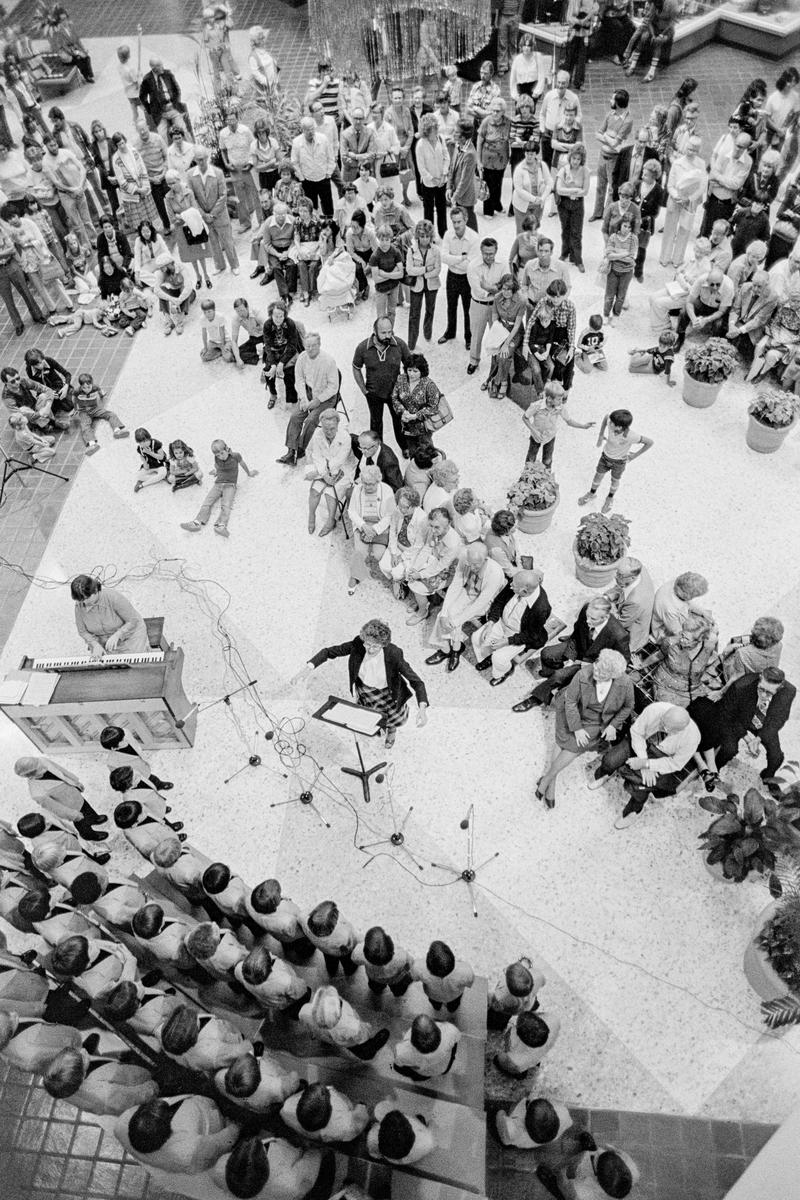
<point x="183" y="466"/>
<point x="89" y="399"/>
<point x="134" y="307"/>
<point x="38" y="447"/>
<point x="214" y="335"/>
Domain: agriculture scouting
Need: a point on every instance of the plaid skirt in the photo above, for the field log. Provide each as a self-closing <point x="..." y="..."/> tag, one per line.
<point x="138" y="209"/>
<point x="380" y="700"/>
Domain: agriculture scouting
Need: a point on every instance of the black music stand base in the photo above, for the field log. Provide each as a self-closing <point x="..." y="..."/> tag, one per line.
<point x="363" y="773"/>
<point x="15" y="466"/>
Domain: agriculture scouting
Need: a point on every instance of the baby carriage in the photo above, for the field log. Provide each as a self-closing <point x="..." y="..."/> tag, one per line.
<point x="336" y="284"/>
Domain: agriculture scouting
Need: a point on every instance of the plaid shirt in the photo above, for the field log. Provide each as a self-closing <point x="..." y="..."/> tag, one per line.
<point x="565" y="317"/>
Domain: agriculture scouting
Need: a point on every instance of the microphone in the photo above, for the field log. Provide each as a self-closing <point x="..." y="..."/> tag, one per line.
<point x="179" y="724"/>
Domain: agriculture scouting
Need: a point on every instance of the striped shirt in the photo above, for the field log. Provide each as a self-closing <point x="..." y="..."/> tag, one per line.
<point x="154" y="156"/>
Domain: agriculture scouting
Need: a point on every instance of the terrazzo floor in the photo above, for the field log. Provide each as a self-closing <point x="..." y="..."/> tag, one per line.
<point x="641" y="947"/>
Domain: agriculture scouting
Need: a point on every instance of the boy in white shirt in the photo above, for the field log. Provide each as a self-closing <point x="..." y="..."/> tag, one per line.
<point x="526" y="1040"/>
<point x="214" y="335"/>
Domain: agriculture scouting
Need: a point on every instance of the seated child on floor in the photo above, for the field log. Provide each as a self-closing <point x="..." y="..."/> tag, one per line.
<point x="37" y="446"/>
<point x="96" y="315"/>
<point x="85" y="279"/>
<point x="657" y="360"/>
<point x="134" y="307"/>
<point x="589" y="351"/>
<point x="89" y="399"/>
<point x="183" y="466"/>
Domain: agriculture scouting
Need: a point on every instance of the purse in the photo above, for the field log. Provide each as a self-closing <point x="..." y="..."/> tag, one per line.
<point x="443" y="416"/>
<point x="483" y="190"/>
<point x="390" y="167"/>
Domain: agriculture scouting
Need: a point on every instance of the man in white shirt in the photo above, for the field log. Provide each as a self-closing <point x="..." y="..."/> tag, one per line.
<point x="459" y="245"/>
<point x="131" y="82"/>
<point x="236" y="148"/>
<point x="316" y="378"/>
<point x="551" y="113"/>
<point x="484" y="275"/>
<point x="503" y="642"/>
<point x="686" y="190"/>
<point x="326" y="124"/>
<point x="447" y="119"/>
<point x="613" y="135"/>
<point x="313" y="161"/>
<point x="68" y="176"/>
<point x="475" y="584"/>
<point x="652" y="756"/>
<point x="728" y="174"/>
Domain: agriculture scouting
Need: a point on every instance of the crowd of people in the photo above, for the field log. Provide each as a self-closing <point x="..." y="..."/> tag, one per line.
<point x="201" y="977"/>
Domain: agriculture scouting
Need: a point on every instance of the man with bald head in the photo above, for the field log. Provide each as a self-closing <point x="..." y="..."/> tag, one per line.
<point x="313" y="161"/>
<point x="474" y="586"/>
<point x="707" y="306"/>
<point x="160" y="95"/>
<point x="211" y="197"/>
<point x="520" y="627"/>
<point x="662" y="740"/>
<point x="153" y="151"/>
<point x="751" y="311"/>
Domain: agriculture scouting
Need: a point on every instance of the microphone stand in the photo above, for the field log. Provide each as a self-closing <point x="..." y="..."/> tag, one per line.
<point x="201" y="708"/>
<point x="470" y="872"/>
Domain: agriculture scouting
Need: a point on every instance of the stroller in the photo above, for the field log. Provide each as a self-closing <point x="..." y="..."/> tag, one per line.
<point x="336" y="284"/>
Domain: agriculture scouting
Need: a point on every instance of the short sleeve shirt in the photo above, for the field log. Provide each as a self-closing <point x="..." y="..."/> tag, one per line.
<point x="228" y="468"/>
<point x="618" y="446"/>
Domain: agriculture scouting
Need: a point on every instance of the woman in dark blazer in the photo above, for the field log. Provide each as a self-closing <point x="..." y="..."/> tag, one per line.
<point x="114" y="245"/>
<point x="380" y="677"/>
<point x="590" y="712"/>
<point x="102" y="151"/>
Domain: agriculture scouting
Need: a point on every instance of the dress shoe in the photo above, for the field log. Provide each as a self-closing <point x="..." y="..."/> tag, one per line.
<point x="437" y="657"/>
<point x="527" y="705"/>
<point x="163" y="785"/>
<point x="503" y="678"/>
<point x="96" y="837"/>
<point x="467" y="344"/>
<point x="271" y="402"/>
<point x="453" y="659"/>
<point x="258" y="271"/>
<point x="472" y="368"/>
<point x="288" y="459"/>
<point x="484" y="666"/>
<point x="446" y="337"/>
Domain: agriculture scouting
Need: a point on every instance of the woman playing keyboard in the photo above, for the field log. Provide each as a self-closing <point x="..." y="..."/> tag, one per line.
<point x="107" y="622"/>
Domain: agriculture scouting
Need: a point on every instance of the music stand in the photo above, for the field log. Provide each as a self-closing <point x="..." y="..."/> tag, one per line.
<point x="360" y="721"/>
<point x="470" y="872"/>
<point x="9" y="471"/>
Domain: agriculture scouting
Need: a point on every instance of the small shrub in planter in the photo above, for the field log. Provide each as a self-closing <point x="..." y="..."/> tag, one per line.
<point x="711" y="361"/>
<point x="776" y="409"/>
<point x="748" y="834"/>
<point x="599" y="545"/>
<point x="536" y="488"/>
<point x="779" y="942"/>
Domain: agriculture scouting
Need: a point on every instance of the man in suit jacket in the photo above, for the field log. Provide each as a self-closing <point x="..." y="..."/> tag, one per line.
<point x="211" y="197"/>
<point x="160" y="95"/>
<point x="368" y="448"/>
<point x="755" y="707"/>
<point x="474" y="586"/>
<point x="520" y="625"/>
<point x="594" y="630"/>
<point x="632" y="600"/>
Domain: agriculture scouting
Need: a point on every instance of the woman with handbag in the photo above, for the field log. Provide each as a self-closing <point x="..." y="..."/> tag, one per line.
<point x="387" y="150"/>
<point x="37" y="262"/>
<point x="423" y="274"/>
<point x="420" y="405"/>
<point x="494" y="151"/>
<point x="531" y="182"/>
<point x="190" y="229"/>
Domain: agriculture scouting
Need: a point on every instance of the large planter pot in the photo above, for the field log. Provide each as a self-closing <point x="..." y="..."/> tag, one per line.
<point x="592" y="574"/>
<point x="765" y="439"/>
<point x="698" y="394"/>
<point x="535" y="520"/>
<point x="760" y="975"/>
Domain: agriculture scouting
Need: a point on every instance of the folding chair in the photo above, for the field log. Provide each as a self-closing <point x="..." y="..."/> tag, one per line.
<point x="340" y="401"/>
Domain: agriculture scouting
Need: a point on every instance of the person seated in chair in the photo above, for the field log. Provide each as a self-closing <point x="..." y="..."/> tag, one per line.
<point x="316" y="378"/>
<point x="662" y="740"/>
<point x="755" y="707"/>
<point x="476" y="582"/>
<point x="632" y="598"/>
<point x="595" y="629"/>
<point x="370" y="450"/>
<point x="518" y="627"/>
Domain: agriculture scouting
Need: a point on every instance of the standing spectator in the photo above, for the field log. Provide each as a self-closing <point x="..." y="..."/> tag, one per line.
<point x="580" y="27"/>
<point x="484" y="275"/>
<point x="433" y="163"/>
<point x="686" y="189"/>
<point x="551" y="114"/>
<point x="387" y="150"/>
<point x="750" y="223"/>
<point x="130" y="80"/>
<point x="623" y="209"/>
<point x="266" y="153"/>
<point x="524" y="126"/>
<point x="460" y="244"/>
<point x="613" y="134"/>
<point x="133" y="182"/>
<point x="160" y="95"/>
<point x="493" y="152"/>
<point x="357" y="146"/>
<point x="481" y="96"/>
<point x="461" y="180"/>
<point x="180" y="152"/>
<point x="263" y="68"/>
<point x="727" y="175"/>
<point x="572" y="187"/>
<point x="38" y="184"/>
<point x="531" y="182"/>
<point x="377" y="363"/>
<point x="210" y="194"/>
<point x="509" y="15"/>
<point x="447" y="119"/>
<point x="192" y="239"/>
<point x="524" y="77"/>
<point x="313" y="161"/>
<point x="13" y="277"/>
<point x="68" y="176"/>
<point x="324" y="89"/>
<point x="102" y="153"/>
<point x="153" y="153"/>
<point x="423" y="267"/>
<point x="649" y="198"/>
<point x="620" y="256"/>
<point x="317" y="385"/>
<point x="387" y="271"/>
<point x="236" y="151"/>
<point x="399" y="116"/>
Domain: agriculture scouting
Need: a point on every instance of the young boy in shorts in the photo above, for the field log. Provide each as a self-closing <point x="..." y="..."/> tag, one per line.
<point x="620" y="437"/>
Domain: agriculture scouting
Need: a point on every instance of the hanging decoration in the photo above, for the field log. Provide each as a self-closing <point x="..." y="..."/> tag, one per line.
<point x="403" y="39"/>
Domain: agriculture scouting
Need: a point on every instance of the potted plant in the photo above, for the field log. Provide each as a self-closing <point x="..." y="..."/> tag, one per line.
<point x="772" y="415"/>
<point x="534" y="498"/>
<point x="599" y="545"/>
<point x="772" y="957"/>
<point x="749" y="833"/>
<point x="706" y="366"/>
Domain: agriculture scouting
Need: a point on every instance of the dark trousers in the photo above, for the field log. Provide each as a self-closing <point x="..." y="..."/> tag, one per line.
<point x="376" y="406"/>
<point x="334" y="961"/>
<point x="701" y="310"/>
<point x="494" y="182"/>
<point x="288" y="383"/>
<point x="615" y="758"/>
<point x="570" y="214"/>
<point x="159" y="191"/>
<point x="729" y="746"/>
<point x="558" y="675"/>
<point x="85" y="822"/>
<point x="575" y="61"/>
<point x="715" y="210"/>
<point x="457" y="288"/>
<point x="285" y="273"/>
<point x="12" y="278"/>
<point x="434" y="199"/>
<point x="302" y="424"/>
<point x="398" y="988"/>
<point x="547" y="149"/>
<point x="547" y="449"/>
<point x="469" y="213"/>
<point x="428" y="295"/>
<point x="319" y="192"/>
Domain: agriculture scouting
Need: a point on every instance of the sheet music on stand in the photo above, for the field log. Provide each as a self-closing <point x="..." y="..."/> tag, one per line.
<point x="28" y="687"/>
<point x="346" y="715"/>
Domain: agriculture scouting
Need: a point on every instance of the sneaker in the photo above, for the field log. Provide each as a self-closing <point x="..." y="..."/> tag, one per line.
<point x="608" y="504"/>
<point x="92" y="448"/>
<point x="221" y="530"/>
<point x="191" y="526"/>
<point x="585" y="499"/>
<point x="122" y="433"/>
<point x="234" y="270"/>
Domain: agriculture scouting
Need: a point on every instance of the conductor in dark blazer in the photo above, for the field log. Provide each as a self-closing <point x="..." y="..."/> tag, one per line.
<point x="755" y="705"/>
<point x="594" y="630"/>
<point x="160" y="95"/>
<point x="368" y="448"/>
<point x="380" y="678"/>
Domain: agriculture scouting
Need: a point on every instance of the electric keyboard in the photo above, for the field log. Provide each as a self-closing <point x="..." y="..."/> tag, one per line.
<point x="84" y="662"/>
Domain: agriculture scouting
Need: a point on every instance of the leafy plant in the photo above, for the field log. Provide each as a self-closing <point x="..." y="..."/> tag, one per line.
<point x="779" y="941"/>
<point x="776" y="409"/>
<point x="536" y="488"/>
<point x="711" y="361"/>
<point x="750" y="833"/>
<point x="603" y="540"/>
